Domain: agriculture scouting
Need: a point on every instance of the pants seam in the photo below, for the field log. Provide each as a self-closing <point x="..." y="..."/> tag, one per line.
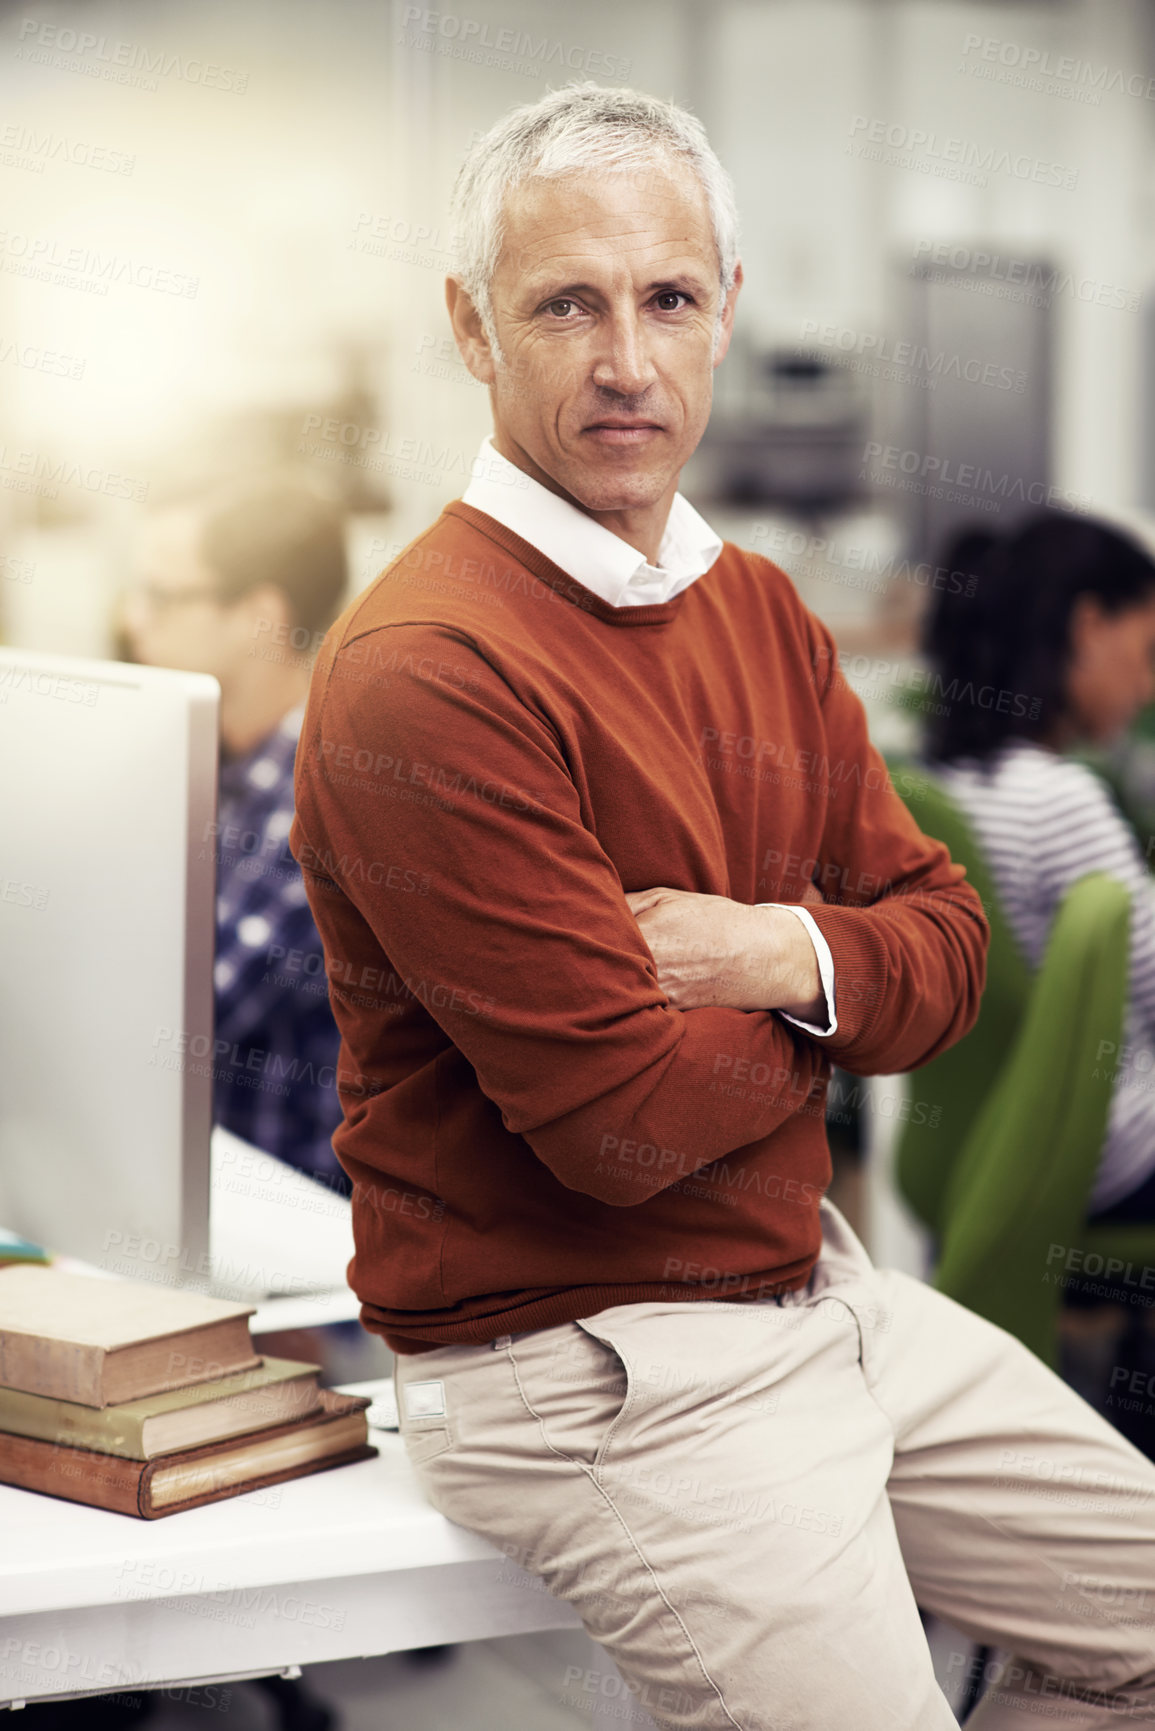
<point x="617" y="1515"/>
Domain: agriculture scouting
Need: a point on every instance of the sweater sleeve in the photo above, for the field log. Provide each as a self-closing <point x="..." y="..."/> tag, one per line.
<point x="525" y="950"/>
<point x="906" y="931"/>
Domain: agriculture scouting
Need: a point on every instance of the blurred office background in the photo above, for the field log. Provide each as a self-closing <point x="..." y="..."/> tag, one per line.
<point x="225" y="235"/>
<point x="225" y="232"/>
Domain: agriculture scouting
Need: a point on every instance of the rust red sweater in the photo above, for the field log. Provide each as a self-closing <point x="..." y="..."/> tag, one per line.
<point x="491" y="756"/>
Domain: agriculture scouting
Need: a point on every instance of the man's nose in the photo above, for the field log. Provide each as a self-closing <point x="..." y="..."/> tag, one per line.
<point x="624" y="365"/>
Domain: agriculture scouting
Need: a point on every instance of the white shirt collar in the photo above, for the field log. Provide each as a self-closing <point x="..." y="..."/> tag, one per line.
<point x="594" y="556"/>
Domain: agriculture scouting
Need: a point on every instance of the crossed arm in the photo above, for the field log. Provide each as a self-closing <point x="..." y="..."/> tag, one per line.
<point x="710" y="950"/>
<point x="583" y="1012"/>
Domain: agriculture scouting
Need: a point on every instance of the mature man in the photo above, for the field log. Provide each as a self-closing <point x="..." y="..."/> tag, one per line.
<point x="241" y="584"/>
<point x="583" y="744"/>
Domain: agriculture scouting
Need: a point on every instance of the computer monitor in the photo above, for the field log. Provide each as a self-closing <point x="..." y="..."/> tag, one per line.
<point x="107" y="876"/>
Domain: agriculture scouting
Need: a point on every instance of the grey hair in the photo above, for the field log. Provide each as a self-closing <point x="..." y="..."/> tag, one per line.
<point x="581" y="126"/>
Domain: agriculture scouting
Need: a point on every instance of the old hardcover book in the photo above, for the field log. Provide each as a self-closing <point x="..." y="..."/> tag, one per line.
<point x="157" y="1424"/>
<point x="334" y="1435"/>
<point x="97" y="1341"/>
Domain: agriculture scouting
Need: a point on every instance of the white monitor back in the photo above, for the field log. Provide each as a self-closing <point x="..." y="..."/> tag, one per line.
<point x="107" y="879"/>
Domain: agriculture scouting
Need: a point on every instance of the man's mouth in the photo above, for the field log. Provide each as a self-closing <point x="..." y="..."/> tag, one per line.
<point x="616" y="430"/>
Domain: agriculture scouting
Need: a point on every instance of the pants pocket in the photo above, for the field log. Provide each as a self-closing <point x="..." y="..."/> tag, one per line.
<point x="614" y="1389"/>
<point x="424" y="1444"/>
<point x="575" y="1385"/>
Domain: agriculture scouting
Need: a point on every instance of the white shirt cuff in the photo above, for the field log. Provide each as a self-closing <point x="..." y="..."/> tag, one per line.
<point x="825" y="968"/>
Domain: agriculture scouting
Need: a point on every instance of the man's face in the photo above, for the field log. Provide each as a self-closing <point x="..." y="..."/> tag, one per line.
<point x="174" y="617"/>
<point x="606" y="301"/>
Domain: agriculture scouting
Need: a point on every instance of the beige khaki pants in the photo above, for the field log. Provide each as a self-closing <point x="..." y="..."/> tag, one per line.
<point x="746" y="1504"/>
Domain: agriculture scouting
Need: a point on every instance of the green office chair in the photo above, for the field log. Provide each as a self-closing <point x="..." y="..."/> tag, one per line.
<point x="955" y="1083"/>
<point x="1002" y="1178"/>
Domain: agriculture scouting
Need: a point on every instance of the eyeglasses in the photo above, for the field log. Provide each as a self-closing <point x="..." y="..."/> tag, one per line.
<point x="160" y="600"/>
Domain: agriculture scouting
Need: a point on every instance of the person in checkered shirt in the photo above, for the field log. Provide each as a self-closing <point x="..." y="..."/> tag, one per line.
<point x="242" y="585"/>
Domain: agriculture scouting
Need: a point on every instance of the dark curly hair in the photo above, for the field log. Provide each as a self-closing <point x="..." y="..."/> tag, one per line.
<point x="1001" y="652"/>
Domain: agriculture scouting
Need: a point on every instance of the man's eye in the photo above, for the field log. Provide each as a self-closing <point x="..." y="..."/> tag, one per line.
<point x="560" y="308"/>
<point x="669" y="299"/>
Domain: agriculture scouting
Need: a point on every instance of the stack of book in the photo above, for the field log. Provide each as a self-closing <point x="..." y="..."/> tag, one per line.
<point x="148" y="1400"/>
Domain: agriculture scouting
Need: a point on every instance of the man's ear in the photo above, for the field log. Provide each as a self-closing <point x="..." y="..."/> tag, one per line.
<point x="727" y="319"/>
<point x="469" y="332"/>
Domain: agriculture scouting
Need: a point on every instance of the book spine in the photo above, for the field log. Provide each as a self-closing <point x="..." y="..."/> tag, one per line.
<point x="79" y="1475"/>
<point x="61" y="1369"/>
<point x="99" y="1428"/>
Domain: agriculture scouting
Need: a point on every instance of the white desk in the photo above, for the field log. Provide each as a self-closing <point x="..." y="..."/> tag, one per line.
<point x="342" y="1565"/>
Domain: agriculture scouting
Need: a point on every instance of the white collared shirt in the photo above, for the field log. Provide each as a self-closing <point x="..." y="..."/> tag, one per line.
<point x="602" y="562"/>
<point x="586" y="551"/>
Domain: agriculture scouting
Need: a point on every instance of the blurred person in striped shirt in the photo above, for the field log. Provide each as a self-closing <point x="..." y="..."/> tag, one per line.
<point x="1052" y="647"/>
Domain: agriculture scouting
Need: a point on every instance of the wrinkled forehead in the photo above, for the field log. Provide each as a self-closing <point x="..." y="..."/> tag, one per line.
<point x="651" y="214"/>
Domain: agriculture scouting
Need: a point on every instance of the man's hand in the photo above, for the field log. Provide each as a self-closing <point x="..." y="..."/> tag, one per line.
<point x="710" y="950"/>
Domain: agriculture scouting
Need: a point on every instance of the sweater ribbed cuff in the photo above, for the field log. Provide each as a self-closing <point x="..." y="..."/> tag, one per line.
<point x="861" y="970"/>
